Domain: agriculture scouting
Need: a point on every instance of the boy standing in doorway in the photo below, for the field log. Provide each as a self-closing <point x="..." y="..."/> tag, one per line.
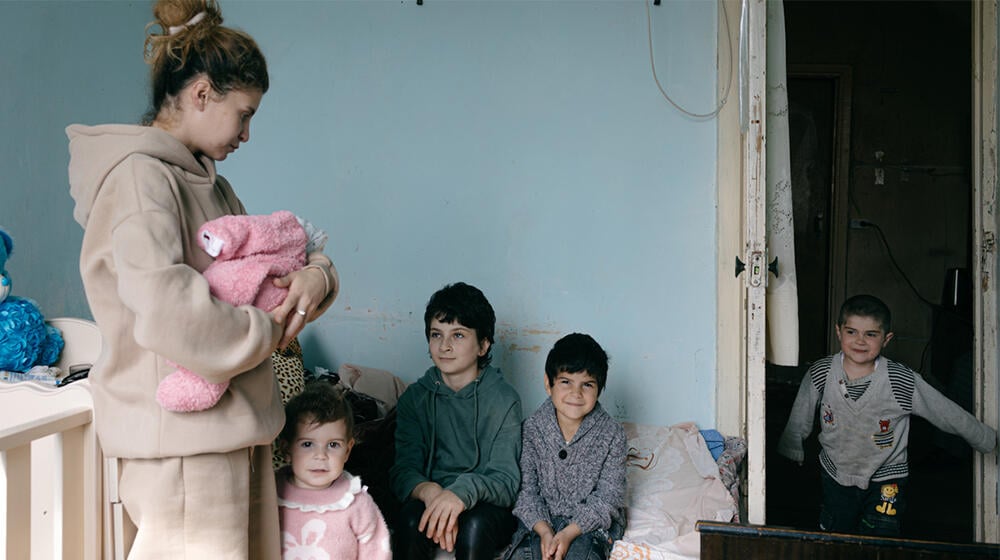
<point x="865" y="402"/>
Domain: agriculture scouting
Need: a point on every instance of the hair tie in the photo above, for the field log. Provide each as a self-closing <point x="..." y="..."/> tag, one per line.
<point x="175" y="29"/>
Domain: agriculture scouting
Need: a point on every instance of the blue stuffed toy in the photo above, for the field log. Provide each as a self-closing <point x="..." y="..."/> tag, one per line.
<point x="25" y="339"/>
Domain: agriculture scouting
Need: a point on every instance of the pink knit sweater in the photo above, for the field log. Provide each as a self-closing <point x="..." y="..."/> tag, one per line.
<point x="341" y="522"/>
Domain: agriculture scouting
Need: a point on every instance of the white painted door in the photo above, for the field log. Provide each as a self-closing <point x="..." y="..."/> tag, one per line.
<point x="755" y="254"/>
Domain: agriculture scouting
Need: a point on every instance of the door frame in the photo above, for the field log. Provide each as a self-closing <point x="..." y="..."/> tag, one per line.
<point x="740" y="315"/>
<point x="755" y="257"/>
<point x="985" y="265"/>
<point x="840" y="74"/>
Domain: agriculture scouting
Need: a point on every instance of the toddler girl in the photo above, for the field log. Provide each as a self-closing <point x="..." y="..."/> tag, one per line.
<point x="325" y="512"/>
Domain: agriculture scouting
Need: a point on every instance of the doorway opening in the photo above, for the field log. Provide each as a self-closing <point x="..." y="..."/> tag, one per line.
<point x="880" y="135"/>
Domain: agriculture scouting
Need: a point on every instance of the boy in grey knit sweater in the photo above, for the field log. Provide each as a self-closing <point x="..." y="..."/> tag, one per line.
<point x="865" y="403"/>
<point x="572" y="497"/>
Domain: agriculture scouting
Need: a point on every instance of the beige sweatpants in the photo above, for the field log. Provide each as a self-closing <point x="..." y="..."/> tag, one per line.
<point x="220" y="506"/>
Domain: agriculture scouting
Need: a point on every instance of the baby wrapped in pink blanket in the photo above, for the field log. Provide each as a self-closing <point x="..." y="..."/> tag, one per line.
<point x="250" y="252"/>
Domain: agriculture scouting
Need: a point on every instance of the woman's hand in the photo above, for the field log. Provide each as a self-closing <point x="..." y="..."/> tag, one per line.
<point x="307" y="288"/>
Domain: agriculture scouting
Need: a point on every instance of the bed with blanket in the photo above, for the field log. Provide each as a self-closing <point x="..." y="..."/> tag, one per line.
<point x="677" y="475"/>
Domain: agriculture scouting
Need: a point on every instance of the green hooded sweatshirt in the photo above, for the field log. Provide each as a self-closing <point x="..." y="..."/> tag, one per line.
<point x="468" y="441"/>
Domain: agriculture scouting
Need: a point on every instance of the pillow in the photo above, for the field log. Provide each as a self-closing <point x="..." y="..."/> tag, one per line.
<point x="290" y="371"/>
<point x="378" y="383"/>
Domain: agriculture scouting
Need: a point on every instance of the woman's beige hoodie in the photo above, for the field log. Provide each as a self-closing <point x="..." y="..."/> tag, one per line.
<point x="141" y="196"/>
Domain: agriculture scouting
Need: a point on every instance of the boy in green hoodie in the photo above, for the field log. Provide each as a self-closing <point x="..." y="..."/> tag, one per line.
<point x="458" y="438"/>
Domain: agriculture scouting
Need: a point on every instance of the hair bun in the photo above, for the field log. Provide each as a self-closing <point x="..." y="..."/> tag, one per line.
<point x="175" y="16"/>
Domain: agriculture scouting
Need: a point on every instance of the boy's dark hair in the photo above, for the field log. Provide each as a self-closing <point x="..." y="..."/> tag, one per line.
<point x="318" y="403"/>
<point x="574" y="353"/>
<point x="864" y="305"/>
<point x="465" y="304"/>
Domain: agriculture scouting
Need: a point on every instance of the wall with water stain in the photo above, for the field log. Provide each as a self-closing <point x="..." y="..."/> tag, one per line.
<point x="523" y="147"/>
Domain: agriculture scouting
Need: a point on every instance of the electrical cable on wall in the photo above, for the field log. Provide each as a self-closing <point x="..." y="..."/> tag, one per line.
<point x="892" y="259"/>
<point x="729" y="73"/>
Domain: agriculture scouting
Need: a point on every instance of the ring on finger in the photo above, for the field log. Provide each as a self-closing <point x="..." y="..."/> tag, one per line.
<point x="301" y="312"/>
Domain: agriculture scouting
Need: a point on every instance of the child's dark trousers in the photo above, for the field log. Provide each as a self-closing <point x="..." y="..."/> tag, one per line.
<point x="482" y="531"/>
<point x="874" y="511"/>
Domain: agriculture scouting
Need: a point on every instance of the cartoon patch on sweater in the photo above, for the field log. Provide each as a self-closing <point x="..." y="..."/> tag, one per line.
<point x="828" y="415"/>
<point x="889" y="493"/>
<point x="885" y="436"/>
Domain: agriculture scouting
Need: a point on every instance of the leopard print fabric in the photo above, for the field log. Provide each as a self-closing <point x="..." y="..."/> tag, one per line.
<point x="290" y="370"/>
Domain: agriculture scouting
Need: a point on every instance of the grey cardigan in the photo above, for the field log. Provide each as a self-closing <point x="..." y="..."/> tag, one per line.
<point x="587" y="486"/>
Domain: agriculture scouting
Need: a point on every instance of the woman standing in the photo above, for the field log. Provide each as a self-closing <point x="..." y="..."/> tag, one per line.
<point x="199" y="484"/>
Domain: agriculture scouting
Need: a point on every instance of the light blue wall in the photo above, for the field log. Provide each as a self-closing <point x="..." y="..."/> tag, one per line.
<point x="61" y="62"/>
<point x="521" y="146"/>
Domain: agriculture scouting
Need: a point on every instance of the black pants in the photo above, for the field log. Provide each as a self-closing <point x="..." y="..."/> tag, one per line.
<point x="482" y="531"/>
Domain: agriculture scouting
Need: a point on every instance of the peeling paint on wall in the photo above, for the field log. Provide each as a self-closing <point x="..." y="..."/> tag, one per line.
<point x="541" y="331"/>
